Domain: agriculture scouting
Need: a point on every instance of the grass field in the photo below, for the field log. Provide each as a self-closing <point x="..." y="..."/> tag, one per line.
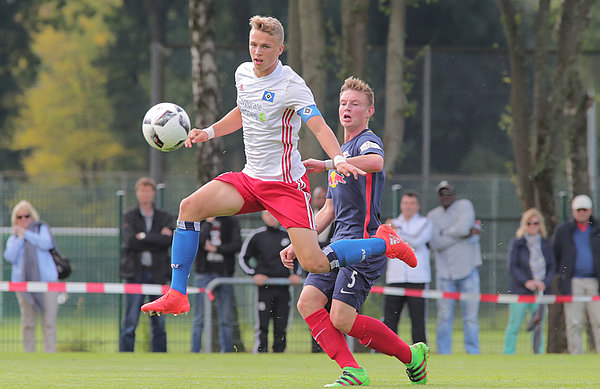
<point x="144" y="370"/>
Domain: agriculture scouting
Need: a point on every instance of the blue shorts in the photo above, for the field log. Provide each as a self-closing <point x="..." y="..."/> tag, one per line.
<point x="352" y="284"/>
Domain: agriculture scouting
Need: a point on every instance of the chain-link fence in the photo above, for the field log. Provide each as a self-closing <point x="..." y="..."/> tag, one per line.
<point x="85" y="221"/>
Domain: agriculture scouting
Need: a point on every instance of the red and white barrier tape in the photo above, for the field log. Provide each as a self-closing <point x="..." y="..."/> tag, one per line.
<point x="153" y="289"/>
<point x="486" y="298"/>
<point x="88" y="287"/>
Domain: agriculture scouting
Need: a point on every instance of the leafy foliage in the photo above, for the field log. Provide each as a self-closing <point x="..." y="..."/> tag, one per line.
<point x="18" y="66"/>
<point x="64" y="124"/>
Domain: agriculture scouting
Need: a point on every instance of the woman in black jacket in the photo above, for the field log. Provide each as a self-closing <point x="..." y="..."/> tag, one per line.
<point x="531" y="266"/>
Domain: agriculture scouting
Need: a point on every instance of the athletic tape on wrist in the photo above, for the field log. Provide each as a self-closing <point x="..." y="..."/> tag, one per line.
<point x="329" y="164"/>
<point x="338" y="158"/>
<point x="210" y="131"/>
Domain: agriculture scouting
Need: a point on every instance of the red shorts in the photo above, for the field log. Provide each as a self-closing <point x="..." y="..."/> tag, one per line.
<point x="287" y="202"/>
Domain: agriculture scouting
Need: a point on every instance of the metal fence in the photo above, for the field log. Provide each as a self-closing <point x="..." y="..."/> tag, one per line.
<point x="85" y="222"/>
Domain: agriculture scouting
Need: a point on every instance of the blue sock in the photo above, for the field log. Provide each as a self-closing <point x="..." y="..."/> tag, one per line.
<point x="183" y="253"/>
<point x="348" y="252"/>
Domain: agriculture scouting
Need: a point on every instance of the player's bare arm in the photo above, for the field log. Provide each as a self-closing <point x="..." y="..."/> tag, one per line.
<point x="370" y="163"/>
<point x="330" y="144"/>
<point x="228" y="124"/>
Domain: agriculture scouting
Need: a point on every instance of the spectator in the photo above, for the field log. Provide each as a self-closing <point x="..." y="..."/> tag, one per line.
<point x="28" y="250"/>
<point x="577" y="251"/>
<point x="457" y="258"/>
<point x="531" y="267"/>
<point x="220" y="240"/>
<point x="416" y="230"/>
<point x="147" y="235"/>
<point x="319" y="196"/>
<point x="273" y="301"/>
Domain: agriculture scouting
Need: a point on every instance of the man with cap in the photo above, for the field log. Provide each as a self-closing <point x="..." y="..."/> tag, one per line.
<point x="457" y="258"/>
<point x="577" y="251"/>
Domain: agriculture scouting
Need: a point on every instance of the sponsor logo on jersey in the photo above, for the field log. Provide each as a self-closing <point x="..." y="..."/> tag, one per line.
<point x="268" y="96"/>
<point x="369" y="145"/>
<point x="262" y="117"/>
<point x="335" y="178"/>
<point x="242" y="87"/>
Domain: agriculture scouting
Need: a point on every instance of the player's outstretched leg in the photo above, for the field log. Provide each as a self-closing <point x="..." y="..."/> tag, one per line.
<point x="183" y="253"/>
<point x="173" y="302"/>
<point x="351" y="376"/>
<point x="417" y="368"/>
<point x="396" y="247"/>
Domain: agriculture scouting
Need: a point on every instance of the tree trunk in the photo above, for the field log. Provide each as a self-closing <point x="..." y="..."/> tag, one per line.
<point x="293" y="40"/>
<point x="155" y="13"/>
<point x="519" y="103"/>
<point x="395" y="99"/>
<point x="205" y="86"/>
<point x="313" y="70"/>
<point x="355" y="15"/>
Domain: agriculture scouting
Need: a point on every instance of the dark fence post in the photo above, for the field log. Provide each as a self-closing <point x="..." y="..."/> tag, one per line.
<point x="120" y="201"/>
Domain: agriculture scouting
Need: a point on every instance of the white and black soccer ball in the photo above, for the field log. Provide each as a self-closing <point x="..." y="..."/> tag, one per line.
<point x="166" y="126"/>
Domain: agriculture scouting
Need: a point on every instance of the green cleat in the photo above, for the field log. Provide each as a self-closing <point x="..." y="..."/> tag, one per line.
<point x="351" y="376"/>
<point x="417" y="368"/>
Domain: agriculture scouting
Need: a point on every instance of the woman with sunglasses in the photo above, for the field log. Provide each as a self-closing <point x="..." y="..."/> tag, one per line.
<point x="531" y="267"/>
<point x="27" y="249"/>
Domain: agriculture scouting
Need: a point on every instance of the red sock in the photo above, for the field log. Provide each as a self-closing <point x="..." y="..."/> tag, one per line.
<point x="331" y="340"/>
<point x="376" y="335"/>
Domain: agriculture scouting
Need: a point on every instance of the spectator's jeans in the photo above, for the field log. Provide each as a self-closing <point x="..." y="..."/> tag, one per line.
<point x="470" y="311"/>
<point x="574" y="314"/>
<point x="518" y="311"/>
<point x="224" y="300"/>
<point x="133" y="303"/>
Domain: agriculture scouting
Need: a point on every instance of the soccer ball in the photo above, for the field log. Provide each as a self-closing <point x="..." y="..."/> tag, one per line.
<point x="166" y="126"/>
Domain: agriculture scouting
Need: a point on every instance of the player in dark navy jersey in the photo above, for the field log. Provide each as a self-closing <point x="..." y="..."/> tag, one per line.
<point x="355" y="205"/>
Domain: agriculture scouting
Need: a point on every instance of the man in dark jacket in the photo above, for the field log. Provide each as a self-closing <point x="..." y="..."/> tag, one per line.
<point x="577" y="251"/>
<point x="260" y="259"/>
<point x="147" y="236"/>
<point x="220" y="240"/>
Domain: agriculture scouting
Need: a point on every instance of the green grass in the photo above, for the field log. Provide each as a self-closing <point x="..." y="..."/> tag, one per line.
<point x="244" y="370"/>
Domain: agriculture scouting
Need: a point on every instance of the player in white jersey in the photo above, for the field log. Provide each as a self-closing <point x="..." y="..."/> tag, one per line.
<point x="272" y="101"/>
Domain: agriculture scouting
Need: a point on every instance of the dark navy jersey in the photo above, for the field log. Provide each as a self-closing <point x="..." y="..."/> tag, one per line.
<point x="356" y="202"/>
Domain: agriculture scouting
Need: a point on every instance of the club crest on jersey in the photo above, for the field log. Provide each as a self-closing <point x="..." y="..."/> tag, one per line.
<point x="268" y="96"/>
<point x="335" y="178"/>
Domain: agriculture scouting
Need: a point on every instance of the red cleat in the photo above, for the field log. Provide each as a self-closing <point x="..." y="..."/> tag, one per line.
<point x="172" y="302"/>
<point x="394" y="246"/>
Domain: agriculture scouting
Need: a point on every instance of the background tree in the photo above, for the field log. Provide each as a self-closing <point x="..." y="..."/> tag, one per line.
<point x="61" y="121"/>
<point x="312" y="42"/>
<point x="396" y="103"/>
<point x="556" y="111"/>
<point x="205" y="82"/>
<point x="355" y="14"/>
<point x="18" y="69"/>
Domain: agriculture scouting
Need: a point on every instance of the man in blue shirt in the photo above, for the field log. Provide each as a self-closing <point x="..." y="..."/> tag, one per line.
<point x="577" y="251"/>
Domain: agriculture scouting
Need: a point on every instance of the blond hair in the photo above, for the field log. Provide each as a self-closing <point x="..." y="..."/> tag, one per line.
<point x="268" y="24"/>
<point x="24" y="205"/>
<point x="526" y="217"/>
<point x="354" y="83"/>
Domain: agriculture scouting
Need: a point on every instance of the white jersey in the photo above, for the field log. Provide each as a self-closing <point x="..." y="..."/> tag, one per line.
<point x="269" y="107"/>
<point x="417" y="232"/>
